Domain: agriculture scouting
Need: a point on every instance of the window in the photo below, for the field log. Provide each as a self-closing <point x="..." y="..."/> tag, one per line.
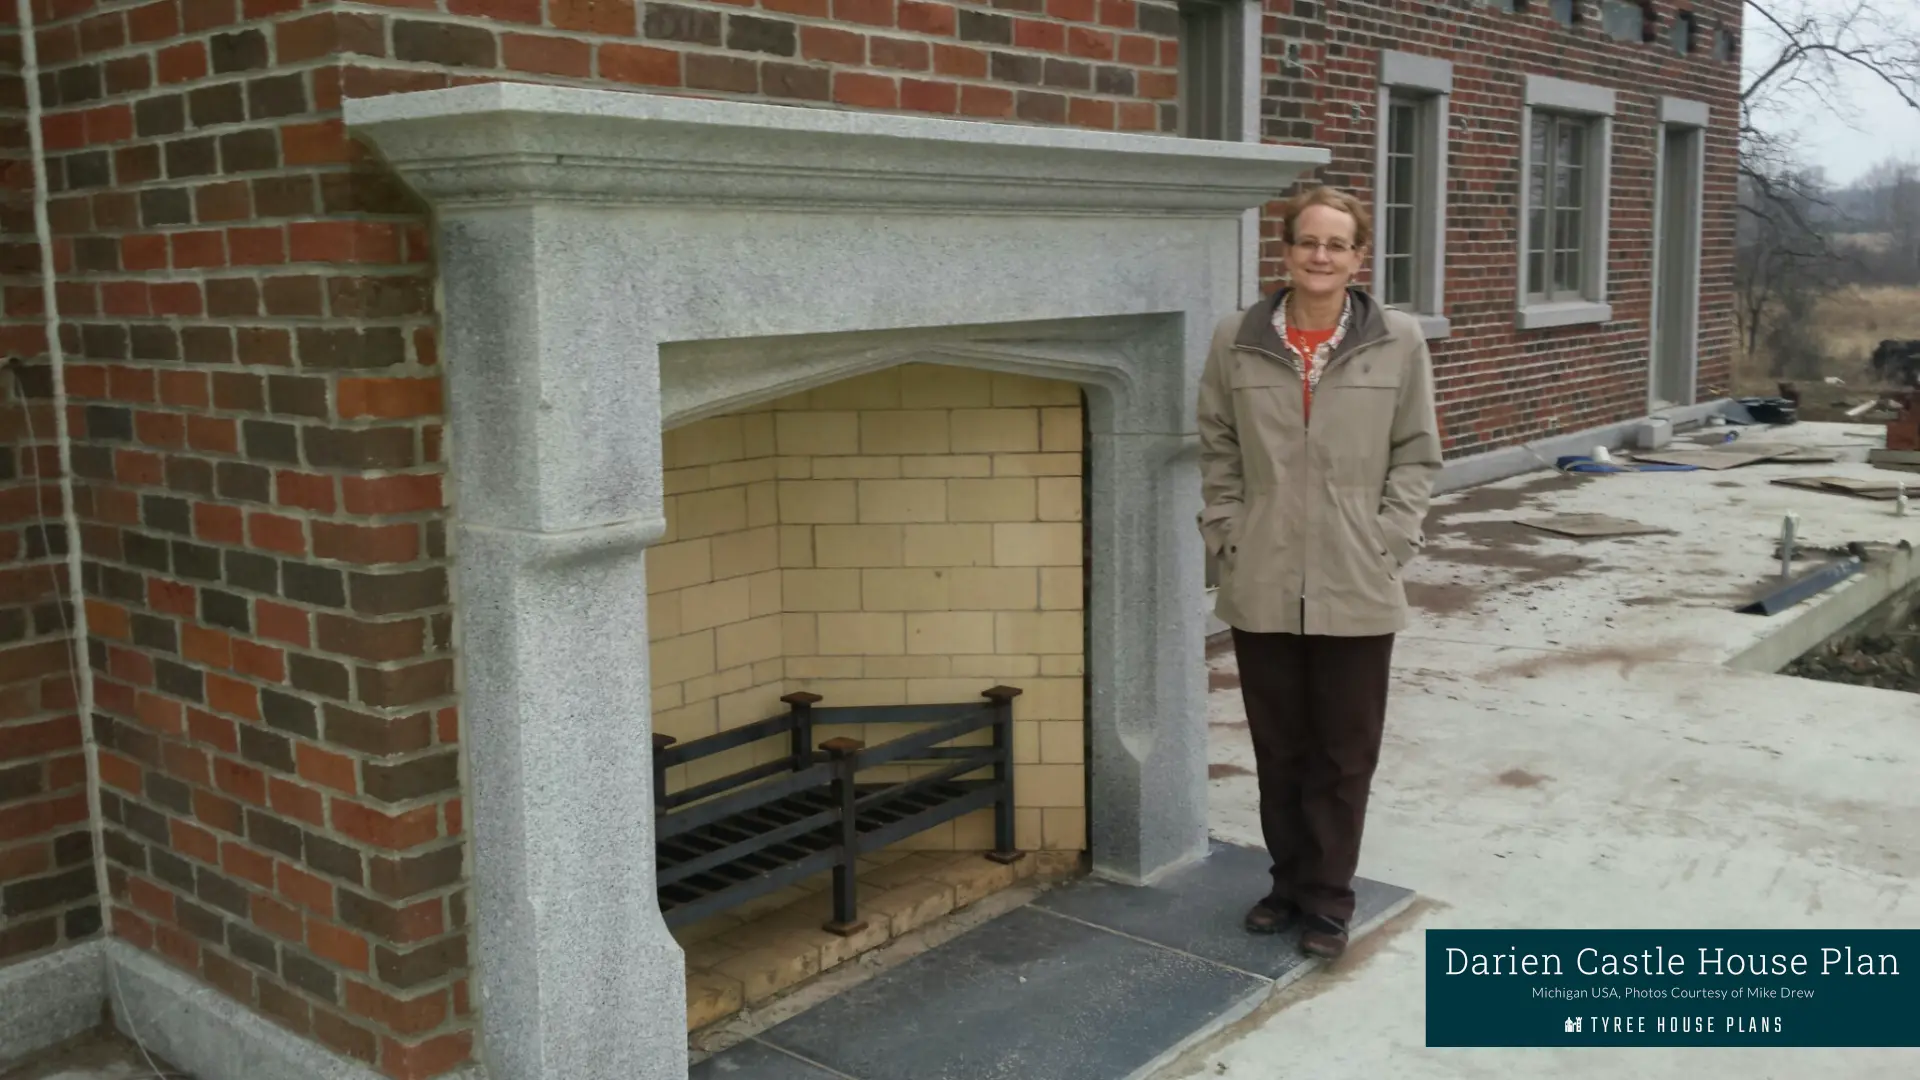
<point x="1410" y="187"/>
<point x="1682" y="34"/>
<point x="1212" y="69"/>
<point x="1566" y="11"/>
<point x="1556" y="206"/>
<point x="1629" y="20"/>
<point x="1565" y="164"/>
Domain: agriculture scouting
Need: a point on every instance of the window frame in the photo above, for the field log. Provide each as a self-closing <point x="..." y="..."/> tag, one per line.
<point x="1688" y="114"/>
<point x="1595" y="106"/>
<point x="1238" y="23"/>
<point x="1425" y="82"/>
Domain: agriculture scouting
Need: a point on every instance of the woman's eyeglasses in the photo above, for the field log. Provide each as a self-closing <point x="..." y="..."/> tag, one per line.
<point x="1331" y="247"/>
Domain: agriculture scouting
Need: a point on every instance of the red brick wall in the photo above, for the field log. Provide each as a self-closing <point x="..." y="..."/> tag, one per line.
<point x="1500" y="386"/>
<point x="256" y="451"/>
<point x="256" y="414"/>
<point x="47" y="876"/>
<point x="1087" y="63"/>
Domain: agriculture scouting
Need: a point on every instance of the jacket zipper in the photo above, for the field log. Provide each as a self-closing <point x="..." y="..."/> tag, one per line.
<point x="1306" y="428"/>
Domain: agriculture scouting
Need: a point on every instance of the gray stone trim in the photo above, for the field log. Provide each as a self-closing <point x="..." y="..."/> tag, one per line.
<point x="1435" y="327"/>
<point x="1696" y="219"/>
<point x="1252" y="45"/>
<point x="1560" y="95"/>
<point x="196" y="1028"/>
<point x="1573" y="313"/>
<point x="1252" y="42"/>
<point x="1430" y="304"/>
<point x="1507" y="462"/>
<point x="1548" y="92"/>
<point x="50" y="999"/>
<point x="1414" y="71"/>
<point x="504" y="143"/>
<point x="1683" y="112"/>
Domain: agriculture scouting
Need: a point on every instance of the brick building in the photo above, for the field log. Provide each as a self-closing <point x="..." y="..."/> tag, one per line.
<point x="268" y="781"/>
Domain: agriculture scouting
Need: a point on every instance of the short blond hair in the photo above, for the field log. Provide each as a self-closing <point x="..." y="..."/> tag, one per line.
<point x="1333" y="199"/>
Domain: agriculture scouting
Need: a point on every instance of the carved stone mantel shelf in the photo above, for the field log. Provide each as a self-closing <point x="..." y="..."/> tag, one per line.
<point x="511" y="142"/>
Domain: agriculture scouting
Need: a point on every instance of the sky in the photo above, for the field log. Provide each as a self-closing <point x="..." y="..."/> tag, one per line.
<point x="1875" y="124"/>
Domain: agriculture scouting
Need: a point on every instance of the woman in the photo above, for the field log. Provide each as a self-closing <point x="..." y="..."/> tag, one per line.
<point x="1319" y="447"/>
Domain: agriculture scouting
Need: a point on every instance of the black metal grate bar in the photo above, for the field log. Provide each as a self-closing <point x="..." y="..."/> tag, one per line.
<point x="729" y="782"/>
<point x="918" y="783"/>
<point x="773" y="840"/>
<point x="920" y="741"/>
<point x="708" y="745"/>
<point x="728" y="805"/>
<point x="885" y="834"/>
<point x="732" y="839"/>
<point x="731" y="895"/>
<point x="896" y="714"/>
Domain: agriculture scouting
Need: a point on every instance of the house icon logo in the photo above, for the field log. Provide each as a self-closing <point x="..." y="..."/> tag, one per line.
<point x="1571" y="1025"/>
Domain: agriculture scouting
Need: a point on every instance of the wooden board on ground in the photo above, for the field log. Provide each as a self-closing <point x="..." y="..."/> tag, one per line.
<point x="1788" y="454"/>
<point x="1591" y="525"/>
<point x="1707" y="457"/>
<point x="1843" y="485"/>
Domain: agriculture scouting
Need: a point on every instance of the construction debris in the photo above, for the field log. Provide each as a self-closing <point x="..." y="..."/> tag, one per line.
<point x="1878" y="490"/>
<point x="1897" y="362"/>
<point x="1715" y="458"/>
<point x="1903" y="431"/>
<point x="1793" y="592"/>
<point x="1590" y="525"/>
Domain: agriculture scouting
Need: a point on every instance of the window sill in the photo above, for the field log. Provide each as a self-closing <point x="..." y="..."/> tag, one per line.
<point x="1434" y="327"/>
<point x="1575" y="313"/>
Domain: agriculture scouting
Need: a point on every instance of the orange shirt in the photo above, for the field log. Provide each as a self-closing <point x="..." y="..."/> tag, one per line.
<point x="1305" y="342"/>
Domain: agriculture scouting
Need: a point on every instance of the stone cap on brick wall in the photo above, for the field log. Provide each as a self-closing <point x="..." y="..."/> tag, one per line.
<point x="513" y="142"/>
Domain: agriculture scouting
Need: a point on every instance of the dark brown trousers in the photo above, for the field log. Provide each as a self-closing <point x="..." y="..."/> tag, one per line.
<point x="1316" y="707"/>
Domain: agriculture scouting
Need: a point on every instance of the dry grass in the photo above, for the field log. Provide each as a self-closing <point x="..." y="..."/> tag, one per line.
<point x="1858" y="319"/>
<point x="1852" y="323"/>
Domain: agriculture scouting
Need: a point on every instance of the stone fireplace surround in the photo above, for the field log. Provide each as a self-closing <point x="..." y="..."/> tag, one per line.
<point x="613" y="263"/>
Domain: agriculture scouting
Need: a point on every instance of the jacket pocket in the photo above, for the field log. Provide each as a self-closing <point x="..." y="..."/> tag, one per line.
<point x="1376" y="534"/>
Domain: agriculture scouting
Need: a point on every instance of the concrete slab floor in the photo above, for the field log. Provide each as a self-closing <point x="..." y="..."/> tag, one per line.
<point x="1567" y="748"/>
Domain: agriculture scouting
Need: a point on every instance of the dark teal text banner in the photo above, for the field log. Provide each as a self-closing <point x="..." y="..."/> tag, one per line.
<point x="1673" y="987"/>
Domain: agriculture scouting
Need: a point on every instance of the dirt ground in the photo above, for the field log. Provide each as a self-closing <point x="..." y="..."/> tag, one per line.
<point x="1851" y="324"/>
<point x="1888" y="659"/>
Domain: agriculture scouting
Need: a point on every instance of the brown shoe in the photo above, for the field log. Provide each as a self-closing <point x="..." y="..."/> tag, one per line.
<point x="1324" y="937"/>
<point x="1271" y="916"/>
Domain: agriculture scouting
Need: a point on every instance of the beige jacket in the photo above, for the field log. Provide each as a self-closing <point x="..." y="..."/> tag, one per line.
<point x="1312" y="523"/>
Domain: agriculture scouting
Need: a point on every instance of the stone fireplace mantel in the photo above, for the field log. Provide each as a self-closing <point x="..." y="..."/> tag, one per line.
<point x="613" y="262"/>
<point x="507" y="143"/>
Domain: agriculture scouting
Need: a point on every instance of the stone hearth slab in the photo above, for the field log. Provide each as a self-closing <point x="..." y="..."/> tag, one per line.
<point x="1199" y="909"/>
<point x="1029" y="994"/>
<point x="1093" y="981"/>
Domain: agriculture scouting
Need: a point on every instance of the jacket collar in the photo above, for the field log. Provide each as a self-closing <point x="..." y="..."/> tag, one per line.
<point x="1256" y="328"/>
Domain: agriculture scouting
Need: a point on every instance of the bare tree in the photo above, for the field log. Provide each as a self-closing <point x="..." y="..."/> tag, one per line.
<point x="1784" y="268"/>
<point x="1810" y="46"/>
<point x="1786" y="259"/>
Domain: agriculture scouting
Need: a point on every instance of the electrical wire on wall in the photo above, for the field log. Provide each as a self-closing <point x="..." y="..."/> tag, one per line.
<point x="79" y="668"/>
